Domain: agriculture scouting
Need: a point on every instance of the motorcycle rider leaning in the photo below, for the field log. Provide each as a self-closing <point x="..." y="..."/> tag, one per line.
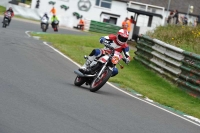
<point x="54" y="18"/>
<point x="47" y="17"/>
<point x="12" y="14"/>
<point x="118" y="42"/>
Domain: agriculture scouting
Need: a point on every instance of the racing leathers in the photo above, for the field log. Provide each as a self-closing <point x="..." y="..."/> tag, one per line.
<point x="112" y="40"/>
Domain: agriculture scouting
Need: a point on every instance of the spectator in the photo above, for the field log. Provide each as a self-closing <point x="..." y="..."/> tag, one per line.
<point x="129" y="25"/>
<point x="124" y="23"/>
<point x="53" y="11"/>
<point x="170" y="18"/>
<point x="185" y="20"/>
<point x="81" y="24"/>
<point x="180" y="20"/>
<point x="132" y="20"/>
<point x="195" y="21"/>
<point x="176" y="16"/>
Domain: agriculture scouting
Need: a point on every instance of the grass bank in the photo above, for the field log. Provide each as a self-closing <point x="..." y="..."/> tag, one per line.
<point x="134" y="76"/>
<point x="184" y="37"/>
<point x="2" y="10"/>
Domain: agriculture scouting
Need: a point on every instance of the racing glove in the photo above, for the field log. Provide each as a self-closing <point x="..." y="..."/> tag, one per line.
<point x="102" y="39"/>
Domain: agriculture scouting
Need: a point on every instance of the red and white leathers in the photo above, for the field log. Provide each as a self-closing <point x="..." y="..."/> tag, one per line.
<point x="112" y="40"/>
<point x="118" y="42"/>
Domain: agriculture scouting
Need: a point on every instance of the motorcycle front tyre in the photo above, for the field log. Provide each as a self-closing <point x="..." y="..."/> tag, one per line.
<point x="98" y="83"/>
<point x="4" y="23"/>
<point x="44" y="28"/>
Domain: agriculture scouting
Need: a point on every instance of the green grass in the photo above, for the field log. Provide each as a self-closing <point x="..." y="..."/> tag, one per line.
<point x="26" y="1"/>
<point x="2" y="10"/>
<point x="134" y="76"/>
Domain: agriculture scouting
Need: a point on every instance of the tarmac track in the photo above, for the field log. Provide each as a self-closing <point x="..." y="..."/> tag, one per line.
<point x="37" y="94"/>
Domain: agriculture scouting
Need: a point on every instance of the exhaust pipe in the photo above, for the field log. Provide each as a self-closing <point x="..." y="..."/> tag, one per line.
<point x="83" y="75"/>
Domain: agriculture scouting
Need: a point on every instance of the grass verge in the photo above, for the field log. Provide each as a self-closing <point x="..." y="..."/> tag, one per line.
<point x="2" y="10"/>
<point x="184" y="37"/>
<point x="134" y="76"/>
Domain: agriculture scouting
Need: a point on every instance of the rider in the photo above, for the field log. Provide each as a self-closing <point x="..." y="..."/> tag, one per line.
<point x="54" y="18"/>
<point x="12" y="14"/>
<point x="47" y="17"/>
<point x="118" y="42"/>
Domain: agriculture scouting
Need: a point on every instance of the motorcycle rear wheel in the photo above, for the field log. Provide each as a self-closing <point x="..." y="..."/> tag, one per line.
<point x="98" y="83"/>
<point x="79" y="81"/>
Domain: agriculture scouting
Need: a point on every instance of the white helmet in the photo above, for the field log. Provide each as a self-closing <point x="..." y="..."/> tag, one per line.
<point x="122" y="36"/>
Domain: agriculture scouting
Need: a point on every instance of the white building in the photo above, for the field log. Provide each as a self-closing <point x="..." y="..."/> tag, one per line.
<point x="111" y="11"/>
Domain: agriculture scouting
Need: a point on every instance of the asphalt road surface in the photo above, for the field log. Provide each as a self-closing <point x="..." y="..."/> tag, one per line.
<point x="37" y="94"/>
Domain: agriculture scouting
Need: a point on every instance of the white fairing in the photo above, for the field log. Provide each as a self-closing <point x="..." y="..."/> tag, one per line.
<point x="56" y="21"/>
<point x="103" y="59"/>
<point x="44" y="20"/>
<point x="8" y="14"/>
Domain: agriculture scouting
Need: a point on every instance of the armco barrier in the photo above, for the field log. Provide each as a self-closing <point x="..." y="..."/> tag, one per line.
<point x="180" y="66"/>
<point x="102" y="27"/>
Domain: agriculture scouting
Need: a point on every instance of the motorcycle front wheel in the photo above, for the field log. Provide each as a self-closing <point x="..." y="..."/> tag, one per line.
<point x="79" y="81"/>
<point x="97" y="83"/>
<point x="43" y="27"/>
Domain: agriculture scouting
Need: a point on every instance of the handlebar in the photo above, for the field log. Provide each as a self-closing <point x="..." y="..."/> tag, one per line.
<point x="108" y="45"/>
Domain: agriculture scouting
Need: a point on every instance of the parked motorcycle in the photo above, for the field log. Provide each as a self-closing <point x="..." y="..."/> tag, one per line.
<point x="100" y="70"/>
<point x="7" y="17"/>
<point x="45" y="24"/>
<point x="55" y="28"/>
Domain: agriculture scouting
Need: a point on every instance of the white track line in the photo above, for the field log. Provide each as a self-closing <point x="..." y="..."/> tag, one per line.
<point x="125" y="91"/>
<point x="27" y="33"/>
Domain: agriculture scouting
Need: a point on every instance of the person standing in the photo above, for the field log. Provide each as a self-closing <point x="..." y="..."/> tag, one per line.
<point x="170" y="18"/>
<point x="81" y="24"/>
<point x="176" y="16"/>
<point x="53" y="11"/>
<point x="132" y="22"/>
<point x="124" y="23"/>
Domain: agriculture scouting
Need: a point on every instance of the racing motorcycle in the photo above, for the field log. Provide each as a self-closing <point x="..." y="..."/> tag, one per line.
<point x="55" y="28"/>
<point x="45" y="23"/>
<point x="100" y="70"/>
<point x="7" y="17"/>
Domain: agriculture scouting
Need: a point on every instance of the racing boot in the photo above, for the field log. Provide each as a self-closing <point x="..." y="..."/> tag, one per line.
<point x="86" y="67"/>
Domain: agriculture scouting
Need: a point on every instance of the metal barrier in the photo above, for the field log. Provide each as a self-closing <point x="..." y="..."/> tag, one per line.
<point x="180" y="66"/>
<point x="102" y="27"/>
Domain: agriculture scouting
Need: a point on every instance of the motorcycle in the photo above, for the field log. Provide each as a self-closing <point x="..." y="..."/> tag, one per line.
<point x="7" y="16"/>
<point x="55" y="28"/>
<point x="45" y="23"/>
<point x="100" y="70"/>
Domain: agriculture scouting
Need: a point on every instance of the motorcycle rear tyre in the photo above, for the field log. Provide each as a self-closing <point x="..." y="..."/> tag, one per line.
<point x="79" y="81"/>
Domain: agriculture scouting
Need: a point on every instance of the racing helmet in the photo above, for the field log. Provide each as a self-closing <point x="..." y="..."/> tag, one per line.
<point x="122" y="36"/>
<point x="10" y="9"/>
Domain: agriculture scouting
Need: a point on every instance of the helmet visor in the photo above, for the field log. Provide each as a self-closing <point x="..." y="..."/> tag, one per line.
<point x="122" y="39"/>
